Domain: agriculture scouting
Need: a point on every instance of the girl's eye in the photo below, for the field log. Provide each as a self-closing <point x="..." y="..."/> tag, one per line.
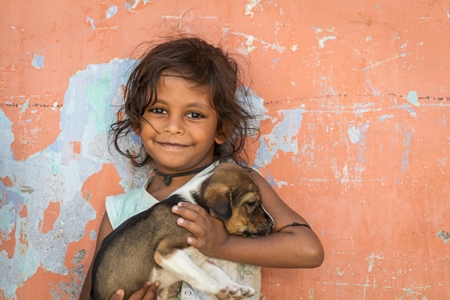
<point x="157" y="110"/>
<point x="195" y="115"/>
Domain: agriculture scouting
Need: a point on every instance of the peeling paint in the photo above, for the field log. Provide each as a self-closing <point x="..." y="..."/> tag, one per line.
<point x="112" y="11"/>
<point x="38" y="61"/>
<point x="250" y="6"/>
<point x="90" y="21"/>
<point x="412" y="98"/>
<point x="445" y="236"/>
<point x="282" y="138"/>
<point x="353" y="134"/>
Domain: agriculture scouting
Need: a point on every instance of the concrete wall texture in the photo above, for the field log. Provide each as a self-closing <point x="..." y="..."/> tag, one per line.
<point x="355" y="134"/>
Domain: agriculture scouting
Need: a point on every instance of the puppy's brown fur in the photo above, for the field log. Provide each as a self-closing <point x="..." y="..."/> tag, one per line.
<point x="151" y="246"/>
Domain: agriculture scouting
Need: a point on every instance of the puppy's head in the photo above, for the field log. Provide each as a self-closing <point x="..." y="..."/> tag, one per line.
<point x="233" y="196"/>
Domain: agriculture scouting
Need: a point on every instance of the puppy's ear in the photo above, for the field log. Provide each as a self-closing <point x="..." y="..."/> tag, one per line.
<point x="218" y="199"/>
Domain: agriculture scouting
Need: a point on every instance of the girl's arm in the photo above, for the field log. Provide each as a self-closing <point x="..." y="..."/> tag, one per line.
<point x="286" y="247"/>
<point x="147" y="292"/>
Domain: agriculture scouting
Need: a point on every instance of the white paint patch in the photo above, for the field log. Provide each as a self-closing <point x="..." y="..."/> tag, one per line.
<point x="249" y="47"/>
<point x="325" y="39"/>
<point x="281" y="183"/>
<point x="250" y="6"/>
<point x="112" y="11"/>
<point x="249" y="43"/>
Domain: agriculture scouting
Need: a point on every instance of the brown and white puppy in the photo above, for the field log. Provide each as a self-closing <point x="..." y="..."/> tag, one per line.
<point x="152" y="247"/>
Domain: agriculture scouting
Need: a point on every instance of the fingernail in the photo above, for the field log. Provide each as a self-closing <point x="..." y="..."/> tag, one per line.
<point x="120" y="292"/>
<point x="175" y="208"/>
<point x="180" y="221"/>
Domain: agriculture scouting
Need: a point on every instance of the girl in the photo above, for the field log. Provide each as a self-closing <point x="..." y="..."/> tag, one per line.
<point x="181" y="100"/>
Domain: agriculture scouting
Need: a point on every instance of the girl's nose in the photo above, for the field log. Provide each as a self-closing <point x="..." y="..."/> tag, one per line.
<point x="174" y="126"/>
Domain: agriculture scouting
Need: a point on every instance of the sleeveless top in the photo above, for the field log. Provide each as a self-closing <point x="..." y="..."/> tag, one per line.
<point x="123" y="206"/>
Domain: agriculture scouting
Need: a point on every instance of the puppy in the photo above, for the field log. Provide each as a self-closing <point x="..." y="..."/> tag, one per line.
<point x="151" y="246"/>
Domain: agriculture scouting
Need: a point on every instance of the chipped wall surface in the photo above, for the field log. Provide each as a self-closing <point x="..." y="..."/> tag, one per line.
<point x="355" y="98"/>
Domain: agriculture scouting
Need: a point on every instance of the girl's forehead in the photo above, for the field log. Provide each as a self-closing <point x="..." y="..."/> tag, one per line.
<point x="171" y="78"/>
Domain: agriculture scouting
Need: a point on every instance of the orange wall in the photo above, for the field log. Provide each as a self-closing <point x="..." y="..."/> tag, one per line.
<point x="355" y="136"/>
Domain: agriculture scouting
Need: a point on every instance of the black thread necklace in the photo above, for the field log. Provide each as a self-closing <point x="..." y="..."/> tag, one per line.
<point x="167" y="178"/>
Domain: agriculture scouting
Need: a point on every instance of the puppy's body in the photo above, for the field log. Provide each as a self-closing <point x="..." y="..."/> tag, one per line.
<point x="150" y="246"/>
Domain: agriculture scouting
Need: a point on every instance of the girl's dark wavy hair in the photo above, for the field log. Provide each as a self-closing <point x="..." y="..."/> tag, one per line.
<point x="206" y="67"/>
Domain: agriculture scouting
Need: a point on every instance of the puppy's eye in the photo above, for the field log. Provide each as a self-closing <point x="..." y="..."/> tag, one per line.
<point x="251" y="206"/>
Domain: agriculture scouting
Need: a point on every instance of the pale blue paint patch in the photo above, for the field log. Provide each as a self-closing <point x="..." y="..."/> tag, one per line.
<point x="412" y="98"/>
<point x="408" y="108"/>
<point x="282" y="138"/>
<point x="37" y="61"/>
<point x="384" y="117"/>
<point x="91" y="21"/>
<point x="360" y="108"/>
<point x="131" y="5"/>
<point x="374" y="90"/>
<point x="405" y="157"/>
<point x="357" y="136"/>
<point x="254" y="104"/>
<point x="25" y="105"/>
<point x="93" y="235"/>
<point x="112" y="11"/>
<point x="57" y="173"/>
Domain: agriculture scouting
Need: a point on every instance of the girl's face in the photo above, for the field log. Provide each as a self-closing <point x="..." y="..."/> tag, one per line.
<point x="179" y="130"/>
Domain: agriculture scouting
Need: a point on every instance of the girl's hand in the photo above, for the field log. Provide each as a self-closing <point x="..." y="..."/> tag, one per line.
<point x="210" y="232"/>
<point x="147" y="292"/>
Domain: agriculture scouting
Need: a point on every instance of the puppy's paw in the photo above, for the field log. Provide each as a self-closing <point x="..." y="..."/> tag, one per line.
<point x="235" y="292"/>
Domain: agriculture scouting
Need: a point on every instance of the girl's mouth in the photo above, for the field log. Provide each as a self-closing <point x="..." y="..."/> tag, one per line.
<point x="171" y="146"/>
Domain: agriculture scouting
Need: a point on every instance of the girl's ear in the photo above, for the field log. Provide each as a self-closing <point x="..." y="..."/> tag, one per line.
<point x="221" y="138"/>
<point x="223" y="135"/>
<point x="137" y="131"/>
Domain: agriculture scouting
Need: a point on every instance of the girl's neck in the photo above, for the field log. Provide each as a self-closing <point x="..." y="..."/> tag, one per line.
<point x="164" y="184"/>
<point x="160" y="191"/>
<point x="167" y="177"/>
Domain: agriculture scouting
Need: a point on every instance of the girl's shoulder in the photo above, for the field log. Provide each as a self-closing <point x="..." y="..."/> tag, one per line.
<point x="120" y="207"/>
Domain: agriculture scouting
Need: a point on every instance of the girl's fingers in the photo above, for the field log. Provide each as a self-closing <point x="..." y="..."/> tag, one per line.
<point x="147" y="292"/>
<point x="191" y="212"/>
<point x="118" y="295"/>
<point x="151" y="292"/>
<point x="197" y="229"/>
<point x="194" y="208"/>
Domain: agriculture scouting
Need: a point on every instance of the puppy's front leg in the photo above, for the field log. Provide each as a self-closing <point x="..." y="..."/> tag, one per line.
<point x="179" y="262"/>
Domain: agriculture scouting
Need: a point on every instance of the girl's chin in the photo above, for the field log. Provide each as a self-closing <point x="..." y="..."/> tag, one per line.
<point x="177" y="164"/>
